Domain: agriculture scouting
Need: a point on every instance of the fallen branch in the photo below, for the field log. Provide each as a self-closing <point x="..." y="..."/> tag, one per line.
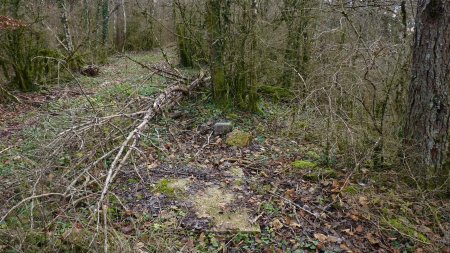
<point x="8" y="96"/>
<point x="164" y="101"/>
<point x="167" y="74"/>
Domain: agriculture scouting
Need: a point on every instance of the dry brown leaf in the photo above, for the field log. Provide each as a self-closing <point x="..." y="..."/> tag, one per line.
<point x="202" y="238"/>
<point x="348" y="231"/>
<point x="372" y="239"/>
<point x="363" y="201"/>
<point x="321" y="237"/>
<point x="152" y="165"/>
<point x="276" y="224"/>
<point x="345" y="248"/>
<point x="292" y="223"/>
<point x="359" y="229"/>
<point x="190" y="244"/>
<point x="129" y="213"/>
<point x="290" y="194"/>
<point x="354" y="217"/>
<point x="332" y="238"/>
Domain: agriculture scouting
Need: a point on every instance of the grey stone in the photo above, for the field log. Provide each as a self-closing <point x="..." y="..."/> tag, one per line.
<point x="222" y="128"/>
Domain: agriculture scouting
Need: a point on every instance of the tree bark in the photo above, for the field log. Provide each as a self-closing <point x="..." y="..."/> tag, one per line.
<point x="105" y="21"/>
<point x="427" y="119"/>
<point x="68" y="44"/>
<point x="121" y="26"/>
<point x="216" y="47"/>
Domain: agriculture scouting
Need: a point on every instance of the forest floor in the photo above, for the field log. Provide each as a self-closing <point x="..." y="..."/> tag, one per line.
<point x="194" y="192"/>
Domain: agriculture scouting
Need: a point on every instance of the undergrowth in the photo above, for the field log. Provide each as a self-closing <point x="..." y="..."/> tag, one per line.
<point x="411" y="218"/>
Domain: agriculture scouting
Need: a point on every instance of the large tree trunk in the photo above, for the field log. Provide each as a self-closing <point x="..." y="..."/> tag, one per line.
<point x="121" y="25"/>
<point x="427" y="119"/>
<point x="216" y="45"/>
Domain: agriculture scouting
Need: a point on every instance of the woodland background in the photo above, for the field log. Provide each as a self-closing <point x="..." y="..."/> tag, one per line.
<point x="335" y="74"/>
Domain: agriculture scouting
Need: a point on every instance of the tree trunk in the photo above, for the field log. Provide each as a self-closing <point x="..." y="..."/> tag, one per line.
<point x="216" y="46"/>
<point x="252" y="90"/>
<point x="185" y="48"/>
<point x="105" y="21"/>
<point x="121" y="26"/>
<point x="427" y="119"/>
<point x="296" y="15"/>
<point x="68" y="44"/>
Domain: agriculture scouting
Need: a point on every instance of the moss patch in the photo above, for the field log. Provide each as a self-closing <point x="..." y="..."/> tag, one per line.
<point x="239" y="138"/>
<point x="317" y="173"/>
<point x="237" y="174"/>
<point x="213" y="203"/>
<point x="313" y="155"/>
<point x="403" y="226"/>
<point x="351" y="190"/>
<point x="172" y="188"/>
<point x="302" y="164"/>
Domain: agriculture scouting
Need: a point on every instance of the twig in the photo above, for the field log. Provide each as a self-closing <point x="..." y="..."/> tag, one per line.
<point x="204" y="145"/>
<point x="105" y="224"/>
<point x="153" y="68"/>
<point x="28" y="199"/>
<point x="6" y="149"/>
<point x="297" y="205"/>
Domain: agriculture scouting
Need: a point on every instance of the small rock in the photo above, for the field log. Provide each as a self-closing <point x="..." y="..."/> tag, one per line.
<point x="222" y="128"/>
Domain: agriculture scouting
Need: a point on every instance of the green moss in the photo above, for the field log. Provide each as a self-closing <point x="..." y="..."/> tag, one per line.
<point x="403" y="226"/>
<point x="312" y="155"/>
<point x="317" y="173"/>
<point x="276" y="92"/>
<point x="239" y="138"/>
<point x="172" y="188"/>
<point x="233" y="116"/>
<point x="133" y="181"/>
<point x="351" y="190"/>
<point x="260" y="189"/>
<point x="163" y="187"/>
<point x="302" y="164"/>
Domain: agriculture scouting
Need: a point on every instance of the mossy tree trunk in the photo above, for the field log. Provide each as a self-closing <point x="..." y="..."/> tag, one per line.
<point x="296" y="15"/>
<point x="215" y="27"/>
<point x="252" y="82"/>
<point x="185" y="46"/>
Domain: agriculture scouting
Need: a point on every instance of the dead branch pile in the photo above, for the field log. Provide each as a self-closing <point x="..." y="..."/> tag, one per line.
<point x="105" y="155"/>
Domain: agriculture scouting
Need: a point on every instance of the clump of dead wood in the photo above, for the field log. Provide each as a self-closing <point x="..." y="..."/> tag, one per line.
<point x="102" y="146"/>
